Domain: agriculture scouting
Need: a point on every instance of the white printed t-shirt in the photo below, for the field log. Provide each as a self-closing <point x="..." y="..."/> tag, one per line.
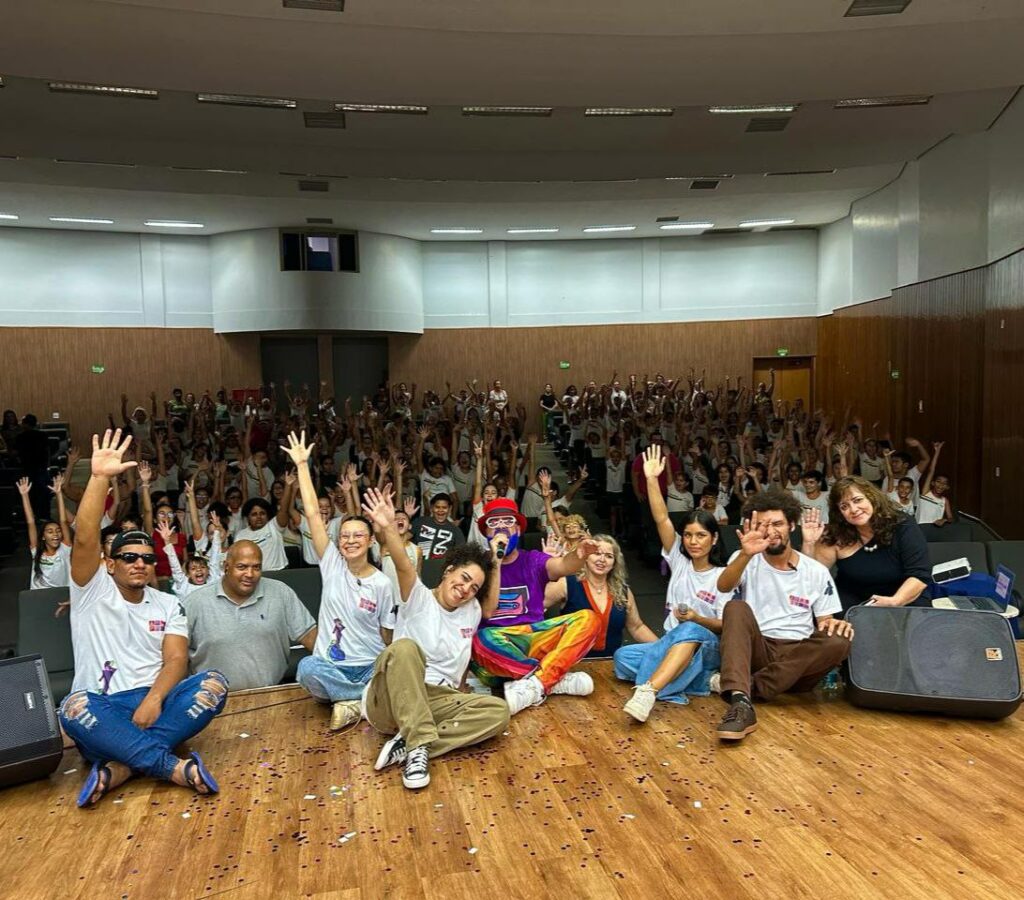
<point x="119" y="645"/>
<point x="930" y="508"/>
<point x="445" y="637"/>
<point x="688" y="587"/>
<point x="352" y="613"/>
<point x="786" y="602"/>
<point x="308" y="550"/>
<point x="270" y="540"/>
<point x="54" y="570"/>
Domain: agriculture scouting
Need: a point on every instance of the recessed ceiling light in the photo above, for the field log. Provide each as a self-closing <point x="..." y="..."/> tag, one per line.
<point x="403" y="109"/>
<point x="868" y="102"/>
<point x="8" y="216"/>
<point x="687" y="226"/>
<point x="629" y="111"/>
<point x="506" y="110"/>
<point x="211" y="171"/>
<point x="102" y="90"/>
<point x="78" y="221"/>
<point x="592" y="229"/>
<point x="531" y="230"/>
<point x="766" y="223"/>
<point x="153" y="224"/>
<point x="456" y="231"/>
<point x="244" y="100"/>
<point x="753" y="110"/>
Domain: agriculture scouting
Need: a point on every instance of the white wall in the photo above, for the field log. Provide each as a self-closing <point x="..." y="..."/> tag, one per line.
<point x="610" y="281"/>
<point x="90" y="278"/>
<point x="959" y="206"/>
<point x="251" y="293"/>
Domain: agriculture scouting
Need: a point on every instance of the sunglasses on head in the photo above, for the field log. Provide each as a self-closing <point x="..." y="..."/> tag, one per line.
<point x="148" y="558"/>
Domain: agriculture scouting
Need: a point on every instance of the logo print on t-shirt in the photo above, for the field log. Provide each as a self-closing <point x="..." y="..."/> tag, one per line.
<point x="802" y="602"/>
<point x="368" y="604"/>
<point x="157" y="624"/>
<point x="334" y="651"/>
<point x="107" y="675"/>
<point x="467" y="632"/>
<point x="513" y="601"/>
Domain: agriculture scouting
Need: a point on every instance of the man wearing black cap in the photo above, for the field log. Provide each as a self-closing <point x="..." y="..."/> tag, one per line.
<point x="131" y="702"/>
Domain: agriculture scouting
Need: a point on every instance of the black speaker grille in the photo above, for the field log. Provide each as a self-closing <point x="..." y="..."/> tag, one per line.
<point x="26" y="711"/>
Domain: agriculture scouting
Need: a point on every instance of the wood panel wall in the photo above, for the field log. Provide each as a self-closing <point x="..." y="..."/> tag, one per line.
<point x="524" y="359"/>
<point x="46" y="370"/>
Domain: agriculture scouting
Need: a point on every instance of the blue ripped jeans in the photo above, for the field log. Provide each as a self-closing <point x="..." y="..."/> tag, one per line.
<point x="330" y="682"/>
<point x="102" y="728"/>
<point x="638" y="662"/>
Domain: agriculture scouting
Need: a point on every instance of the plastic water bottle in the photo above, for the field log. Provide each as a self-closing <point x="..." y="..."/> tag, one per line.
<point x="830" y="687"/>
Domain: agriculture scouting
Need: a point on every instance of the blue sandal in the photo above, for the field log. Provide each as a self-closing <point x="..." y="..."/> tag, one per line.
<point x="86" y="800"/>
<point x="199" y="777"/>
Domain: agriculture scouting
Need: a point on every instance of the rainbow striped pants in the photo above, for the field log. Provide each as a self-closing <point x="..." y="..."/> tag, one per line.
<point x="547" y="649"/>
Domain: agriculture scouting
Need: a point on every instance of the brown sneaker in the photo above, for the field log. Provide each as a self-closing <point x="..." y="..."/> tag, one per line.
<point x="738" y="722"/>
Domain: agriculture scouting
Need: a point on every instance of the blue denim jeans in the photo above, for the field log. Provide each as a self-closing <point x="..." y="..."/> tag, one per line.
<point x="330" y="682"/>
<point x="102" y="728"/>
<point x="638" y="662"/>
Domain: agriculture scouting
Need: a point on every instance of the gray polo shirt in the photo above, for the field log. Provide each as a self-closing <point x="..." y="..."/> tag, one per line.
<point x="249" y="642"/>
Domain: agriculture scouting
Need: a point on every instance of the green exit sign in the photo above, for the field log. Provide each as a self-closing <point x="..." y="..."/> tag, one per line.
<point x="782" y="351"/>
<point x="564" y="364"/>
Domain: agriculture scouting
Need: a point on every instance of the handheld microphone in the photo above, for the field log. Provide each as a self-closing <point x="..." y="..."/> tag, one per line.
<point x="502" y="542"/>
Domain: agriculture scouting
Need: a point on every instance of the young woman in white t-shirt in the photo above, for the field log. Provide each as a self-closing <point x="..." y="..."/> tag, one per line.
<point x="682" y="661"/>
<point x="414" y="693"/>
<point x="50" y="545"/>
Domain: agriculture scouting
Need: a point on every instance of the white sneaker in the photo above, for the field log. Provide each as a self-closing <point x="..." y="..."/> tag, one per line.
<point x="523" y="693"/>
<point x="345" y="712"/>
<point x="579" y="684"/>
<point x="715" y="685"/>
<point x="416" y="773"/>
<point x="639" y="706"/>
<point x="391" y="753"/>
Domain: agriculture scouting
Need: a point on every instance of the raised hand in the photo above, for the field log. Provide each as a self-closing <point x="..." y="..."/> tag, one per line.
<point x="811" y="526"/>
<point x="752" y="539"/>
<point x="585" y="547"/>
<point x="410" y="508"/>
<point x="290" y="478"/>
<point x="552" y="546"/>
<point x="938" y="445"/>
<point x="190" y="489"/>
<point x="400" y="467"/>
<point x="378" y="507"/>
<point x="57" y="483"/>
<point x="298" y="449"/>
<point x="478" y="449"/>
<point x="145" y="472"/>
<point x="166" y="532"/>
<point x="24" y="486"/>
<point x="107" y="454"/>
<point x="544" y="478"/>
<point x="74" y="455"/>
<point x="351" y="473"/>
<point x="654" y="462"/>
<point x="583" y="474"/>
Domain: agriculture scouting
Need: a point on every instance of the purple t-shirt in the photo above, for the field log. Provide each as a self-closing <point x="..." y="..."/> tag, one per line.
<point x="521" y="598"/>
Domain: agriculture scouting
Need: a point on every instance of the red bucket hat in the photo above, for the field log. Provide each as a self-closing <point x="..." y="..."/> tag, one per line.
<point x="497" y="509"/>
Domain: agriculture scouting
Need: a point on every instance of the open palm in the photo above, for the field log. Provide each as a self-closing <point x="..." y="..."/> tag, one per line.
<point x="107" y="454"/>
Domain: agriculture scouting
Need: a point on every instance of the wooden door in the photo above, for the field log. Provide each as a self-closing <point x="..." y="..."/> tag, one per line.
<point x="794" y="377"/>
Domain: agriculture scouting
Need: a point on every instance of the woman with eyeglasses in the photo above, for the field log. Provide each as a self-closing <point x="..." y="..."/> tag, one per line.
<point x="357" y="607"/>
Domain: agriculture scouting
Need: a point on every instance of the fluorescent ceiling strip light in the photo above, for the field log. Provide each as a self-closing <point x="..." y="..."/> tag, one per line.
<point x="696" y="177"/>
<point x="507" y="110"/>
<point x="79" y="221"/>
<point x="404" y="109"/>
<point x="456" y="231"/>
<point x="103" y="90"/>
<point x="688" y="226"/>
<point x="629" y="111"/>
<point x="97" y="162"/>
<point x="8" y="216"/>
<point x="868" y="102"/>
<point x="157" y="224"/>
<point x="531" y="230"/>
<point x="211" y="171"/>
<point x="766" y="223"/>
<point x="595" y="229"/>
<point x="244" y="100"/>
<point x="753" y="110"/>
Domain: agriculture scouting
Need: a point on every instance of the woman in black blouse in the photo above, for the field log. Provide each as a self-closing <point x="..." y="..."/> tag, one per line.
<point x="880" y="554"/>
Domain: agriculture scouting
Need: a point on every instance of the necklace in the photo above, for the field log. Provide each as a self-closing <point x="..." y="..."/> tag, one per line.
<point x="868" y="546"/>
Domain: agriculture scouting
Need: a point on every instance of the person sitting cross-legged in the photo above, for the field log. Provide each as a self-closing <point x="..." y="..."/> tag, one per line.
<point x="357" y="608"/>
<point x="417" y="693"/>
<point x="779" y="632"/>
<point x="517" y="646"/>
<point x="131" y="702"/>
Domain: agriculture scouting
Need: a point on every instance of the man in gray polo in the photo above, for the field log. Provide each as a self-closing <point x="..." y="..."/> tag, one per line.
<point x="246" y="622"/>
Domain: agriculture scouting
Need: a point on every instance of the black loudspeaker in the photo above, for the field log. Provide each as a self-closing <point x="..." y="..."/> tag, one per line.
<point x="947" y="661"/>
<point x="30" y="741"/>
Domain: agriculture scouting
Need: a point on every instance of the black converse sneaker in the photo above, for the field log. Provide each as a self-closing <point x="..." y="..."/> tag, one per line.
<point x="416" y="773"/>
<point x="391" y="753"/>
<point x="739" y="721"/>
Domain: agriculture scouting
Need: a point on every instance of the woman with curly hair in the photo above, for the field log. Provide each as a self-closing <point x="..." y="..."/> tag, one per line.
<point x="880" y="554"/>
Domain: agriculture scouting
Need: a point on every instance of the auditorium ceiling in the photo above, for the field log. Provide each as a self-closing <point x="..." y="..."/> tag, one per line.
<point x="166" y="155"/>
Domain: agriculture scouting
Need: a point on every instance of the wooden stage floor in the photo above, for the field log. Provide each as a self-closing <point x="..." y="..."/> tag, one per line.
<point x="824" y="800"/>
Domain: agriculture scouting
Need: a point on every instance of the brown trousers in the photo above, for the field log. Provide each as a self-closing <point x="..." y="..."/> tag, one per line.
<point x="428" y="714"/>
<point x="762" y="668"/>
